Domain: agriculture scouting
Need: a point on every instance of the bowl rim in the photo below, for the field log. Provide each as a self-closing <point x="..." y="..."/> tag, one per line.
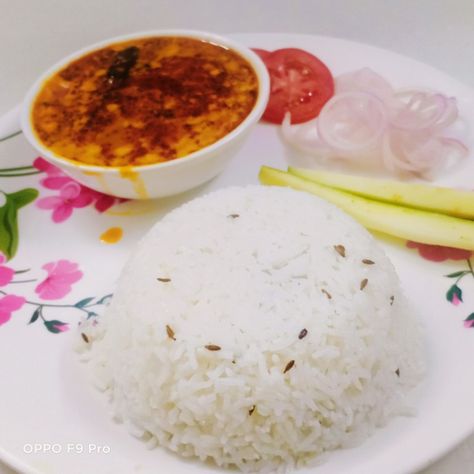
<point x="253" y="116"/>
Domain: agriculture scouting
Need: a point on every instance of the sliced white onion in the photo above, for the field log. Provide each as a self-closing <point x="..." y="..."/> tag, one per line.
<point x="416" y="110"/>
<point x="422" y="154"/>
<point x="454" y="150"/>
<point x="413" y="155"/>
<point x="304" y="137"/>
<point x="364" y="80"/>
<point x="352" y="122"/>
<point x="450" y="114"/>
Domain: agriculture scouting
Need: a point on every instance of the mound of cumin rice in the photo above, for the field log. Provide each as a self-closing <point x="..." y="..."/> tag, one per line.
<point x="256" y="327"/>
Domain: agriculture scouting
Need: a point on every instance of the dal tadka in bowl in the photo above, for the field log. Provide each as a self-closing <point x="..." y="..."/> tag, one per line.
<point x="144" y="101"/>
<point x="277" y="332"/>
<point x="164" y="111"/>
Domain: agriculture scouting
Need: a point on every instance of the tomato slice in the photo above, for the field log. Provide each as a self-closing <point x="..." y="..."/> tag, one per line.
<point x="263" y="53"/>
<point x="300" y="84"/>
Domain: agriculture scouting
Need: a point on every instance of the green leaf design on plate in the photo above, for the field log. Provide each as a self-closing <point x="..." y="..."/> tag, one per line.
<point x="14" y="134"/>
<point x="55" y="326"/>
<point x="84" y="302"/>
<point x="23" y="197"/>
<point x="105" y="299"/>
<point x="9" y="219"/>
<point x="456" y="274"/>
<point x="36" y="315"/>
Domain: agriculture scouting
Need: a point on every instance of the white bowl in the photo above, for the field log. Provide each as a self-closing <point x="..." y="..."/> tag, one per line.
<point x="160" y="179"/>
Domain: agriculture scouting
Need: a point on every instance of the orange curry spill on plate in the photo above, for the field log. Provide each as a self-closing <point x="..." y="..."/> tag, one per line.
<point x="144" y="101"/>
<point x="111" y="235"/>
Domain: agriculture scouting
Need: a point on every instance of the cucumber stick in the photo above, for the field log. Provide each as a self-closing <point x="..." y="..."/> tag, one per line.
<point x="448" y="201"/>
<point x="403" y="222"/>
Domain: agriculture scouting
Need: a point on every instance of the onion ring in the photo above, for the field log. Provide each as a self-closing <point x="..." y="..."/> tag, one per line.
<point x="352" y="122"/>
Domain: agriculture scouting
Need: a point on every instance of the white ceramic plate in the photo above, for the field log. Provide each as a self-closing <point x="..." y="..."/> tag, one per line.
<point x="53" y="421"/>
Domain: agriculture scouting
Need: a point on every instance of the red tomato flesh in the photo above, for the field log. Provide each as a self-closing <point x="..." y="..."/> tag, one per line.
<point x="300" y="84"/>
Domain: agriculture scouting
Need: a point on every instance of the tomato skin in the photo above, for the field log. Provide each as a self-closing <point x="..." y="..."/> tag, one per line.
<point x="263" y="53"/>
<point x="300" y="84"/>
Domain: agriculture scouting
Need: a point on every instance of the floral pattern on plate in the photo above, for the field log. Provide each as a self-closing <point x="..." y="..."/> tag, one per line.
<point x="455" y="293"/>
<point x="57" y="284"/>
<point x="62" y="274"/>
<point x="70" y="195"/>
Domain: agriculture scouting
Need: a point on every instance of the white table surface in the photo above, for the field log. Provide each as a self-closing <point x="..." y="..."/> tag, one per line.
<point x="36" y="33"/>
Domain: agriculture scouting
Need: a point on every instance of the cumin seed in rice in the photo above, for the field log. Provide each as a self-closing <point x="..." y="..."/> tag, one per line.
<point x="233" y="216"/>
<point x="213" y="347"/>
<point x="252" y="410"/>
<point x="392" y="299"/>
<point x="302" y="333"/>
<point x="289" y="366"/>
<point x="398" y="372"/>
<point x="367" y="261"/>
<point x="363" y="283"/>
<point x="170" y="333"/>
<point x="84" y="337"/>
<point x="341" y="250"/>
<point x="326" y="293"/>
<point x="164" y="280"/>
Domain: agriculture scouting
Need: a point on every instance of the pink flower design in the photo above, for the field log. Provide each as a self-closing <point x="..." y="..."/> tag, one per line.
<point x="455" y="301"/>
<point x="46" y="167"/>
<point x="469" y="323"/>
<point x="55" y="179"/>
<point x="56" y="182"/>
<point x="103" y="202"/>
<point x="62" y="327"/>
<point x="61" y="275"/>
<point x="6" y="273"/>
<point x="438" y="253"/>
<point x="71" y="193"/>
<point x="70" y="197"/>
<point x="8" y="304"/>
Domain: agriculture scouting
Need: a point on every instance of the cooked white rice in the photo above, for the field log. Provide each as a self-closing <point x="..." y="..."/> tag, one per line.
<point x="309" y="358"/>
